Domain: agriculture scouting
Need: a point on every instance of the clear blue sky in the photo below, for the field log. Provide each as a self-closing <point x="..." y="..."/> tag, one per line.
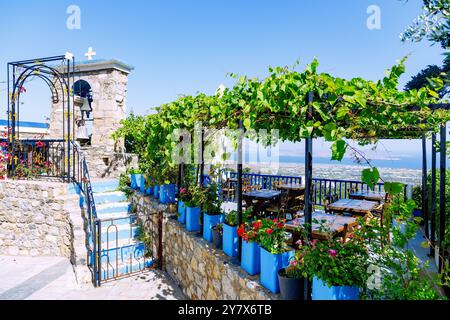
<point x="181" y="47"/>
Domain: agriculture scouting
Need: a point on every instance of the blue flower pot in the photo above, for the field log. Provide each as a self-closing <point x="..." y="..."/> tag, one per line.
<point x="209" y="222"/>
<point x="149" y="191"/>
<point x="135" y="181"/>
<point x="270" y="265"/>
<point x="251" y="258"/>
<point x="230" y="240"/>
<point x="181" y="212"/>
<point x="192" y="219"/>
<point x="167" y="194"/>
<point x="320" y="291"/>
<point x="142" y="184"/>
<point x="156" y="192"/>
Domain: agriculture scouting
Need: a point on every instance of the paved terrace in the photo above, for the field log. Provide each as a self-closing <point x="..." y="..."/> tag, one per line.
<point x="52" y="278"/>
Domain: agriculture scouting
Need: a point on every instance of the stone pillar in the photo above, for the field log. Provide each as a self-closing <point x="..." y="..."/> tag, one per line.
<point x="108" y="80"/>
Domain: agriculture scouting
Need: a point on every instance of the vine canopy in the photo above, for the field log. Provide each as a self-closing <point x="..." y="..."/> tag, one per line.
<point x="355" y="109"/>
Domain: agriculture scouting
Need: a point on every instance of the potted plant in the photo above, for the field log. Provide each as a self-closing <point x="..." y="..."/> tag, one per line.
<point x="275" y="253"/>
<point x="212" y="211"/>
<point x="292" y="279"/>
<point x="230" y="238"/>
<point x="148" y="185"/>
<point x="183" y="197"/>
<point x="217" y="232"/>
<point x="193" y="205"/>
<point x="135" y="177"/>
<point x="250" y="254"/>
<point x="337" y="268"/>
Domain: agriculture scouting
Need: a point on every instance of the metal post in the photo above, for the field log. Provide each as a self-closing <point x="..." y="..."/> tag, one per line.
<point x="308" y="187"/>
<point x="202" y="175"/>
<point x="425" y="203"/>
<point x="239" y="185"/>
<point x="68" y="121"/>
<point x="442" y="217"/>
<point x="13" y="123"/>
<point x="433" y="194"/>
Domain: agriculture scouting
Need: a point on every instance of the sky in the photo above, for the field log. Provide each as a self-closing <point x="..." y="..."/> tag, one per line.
<point x="185" y="47"/>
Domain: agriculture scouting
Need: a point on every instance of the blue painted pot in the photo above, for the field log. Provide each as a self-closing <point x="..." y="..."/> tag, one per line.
<point x="135" y="181"/>
<point x="209" y="222"/>
<point x="320" y="291"/>
<point x="270" y="265"/>
<point x="149" y="191"/>
<point x="156" y="192"/>
<point x="181" y="212"/>
<point x="142" y="184"/>
<point x="230" y="240"/>
<point x="251" y="258"/>
<point x="167" y="194"/>
<point x="192" y="219"/>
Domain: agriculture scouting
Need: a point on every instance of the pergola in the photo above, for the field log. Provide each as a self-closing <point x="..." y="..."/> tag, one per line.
<point x="308" y="211"/>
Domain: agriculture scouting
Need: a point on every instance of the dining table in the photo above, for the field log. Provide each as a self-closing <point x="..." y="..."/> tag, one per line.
<point x="324" y="225"/>
<point x="368" y="195"/>
<point x="353" y="206"/>
<point x="259" y="199"/>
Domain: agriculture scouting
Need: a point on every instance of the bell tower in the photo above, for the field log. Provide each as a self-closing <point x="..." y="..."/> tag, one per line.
<point x="99" y="104"/>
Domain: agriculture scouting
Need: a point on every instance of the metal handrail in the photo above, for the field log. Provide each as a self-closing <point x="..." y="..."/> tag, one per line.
<point x="93" y="228"/>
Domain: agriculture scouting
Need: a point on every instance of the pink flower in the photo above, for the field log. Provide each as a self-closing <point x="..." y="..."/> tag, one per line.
<point x="293" y="263"/>
<point x="313" y="243"/>
<point x="332" y="253"/>
<point x="299" y="243"/>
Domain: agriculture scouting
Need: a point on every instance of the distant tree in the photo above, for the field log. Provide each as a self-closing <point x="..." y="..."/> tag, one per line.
<point x="421" y="79"/>
<point x="433" y="24"/>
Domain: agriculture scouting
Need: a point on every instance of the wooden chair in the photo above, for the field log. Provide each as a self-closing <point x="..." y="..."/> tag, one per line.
<point x="329" y="199"/>
<point x="228" y="190"/>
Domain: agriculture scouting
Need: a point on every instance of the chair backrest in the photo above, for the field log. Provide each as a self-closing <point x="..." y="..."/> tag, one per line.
<point x="328" y="199"/>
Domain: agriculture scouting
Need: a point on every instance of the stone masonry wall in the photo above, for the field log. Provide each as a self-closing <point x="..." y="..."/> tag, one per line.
<point x="203" y="272"/>
<point x="33" y="219"/>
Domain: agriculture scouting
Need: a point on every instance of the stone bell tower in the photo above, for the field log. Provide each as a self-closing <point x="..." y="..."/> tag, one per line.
<point x="100" y="86"/>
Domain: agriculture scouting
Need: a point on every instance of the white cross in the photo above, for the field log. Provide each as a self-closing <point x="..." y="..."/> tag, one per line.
<point x="90" y="53"/>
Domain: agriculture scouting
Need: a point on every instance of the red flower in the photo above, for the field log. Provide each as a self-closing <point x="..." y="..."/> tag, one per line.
<point x="40" y="144"/>
<point x="241" y="231"/>
<point x="280" y="225"/>
<point x="275" y="221"/>
<point x="257" y="225"/>
<point x="269" y="231"/>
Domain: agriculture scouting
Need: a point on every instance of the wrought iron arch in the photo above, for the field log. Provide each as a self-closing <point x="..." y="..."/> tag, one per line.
<point x="58" y="78"/>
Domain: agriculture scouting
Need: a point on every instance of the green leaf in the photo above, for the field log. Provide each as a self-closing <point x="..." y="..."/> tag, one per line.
<point x="338" y="150"/>
<point x="370" y="177"/>
<point x="247" y="123"/>
<point x="342" y="112"/>
<point x="330" y="132"/>
<point x="394" y="188"/>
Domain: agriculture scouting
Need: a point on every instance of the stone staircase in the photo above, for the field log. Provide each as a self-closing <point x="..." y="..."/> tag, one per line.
<point x="122" y="253"/>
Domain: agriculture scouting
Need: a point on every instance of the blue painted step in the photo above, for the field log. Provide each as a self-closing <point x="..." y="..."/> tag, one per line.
<point x="113" y="207"/>
<point x="109" y="197"/>
<point x="119" y="232"/>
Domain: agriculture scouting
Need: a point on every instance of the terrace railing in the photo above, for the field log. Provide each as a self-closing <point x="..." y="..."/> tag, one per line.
<point x="36" y="158"/>
<point x="322" y="187"/>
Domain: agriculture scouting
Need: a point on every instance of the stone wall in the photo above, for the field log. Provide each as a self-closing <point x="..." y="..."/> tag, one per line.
<point x="34" y="220"/>
<point x="203" y="272"/>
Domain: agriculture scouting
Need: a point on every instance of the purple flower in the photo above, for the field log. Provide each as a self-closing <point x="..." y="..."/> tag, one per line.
<point x="332" y="253"/>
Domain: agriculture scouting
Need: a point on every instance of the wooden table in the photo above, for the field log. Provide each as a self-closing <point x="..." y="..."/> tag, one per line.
<point x="353" y="206"/>
<point x="334" y="225"/>
<point x="368" y="195"/>
<point x="263" y="198"/>
<point x="292" y="187"/>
